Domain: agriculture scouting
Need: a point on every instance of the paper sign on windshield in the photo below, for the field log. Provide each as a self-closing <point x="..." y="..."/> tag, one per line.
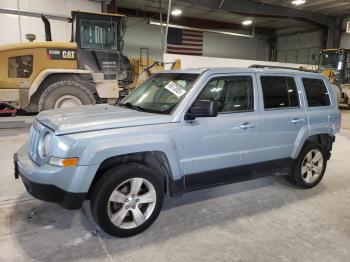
<point x="175" y="89"/>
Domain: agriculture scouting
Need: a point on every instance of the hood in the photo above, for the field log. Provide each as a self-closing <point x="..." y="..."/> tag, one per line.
<point x="97" y="117"/>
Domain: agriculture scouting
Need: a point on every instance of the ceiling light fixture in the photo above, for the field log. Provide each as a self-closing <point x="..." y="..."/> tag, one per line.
<point x="247" y="22"/>
<point x="298" y="2"/>
<point x="176" y="12"/>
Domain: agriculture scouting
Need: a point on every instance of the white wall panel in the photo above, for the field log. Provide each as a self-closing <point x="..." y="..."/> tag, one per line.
<point x="46" y="6"/>
<point x="9" y="29"/>
<point x="61" y="30"/>
<point x="62" y="7"/>
<point x="84" y="5"/>
<point x="8" y="4"/>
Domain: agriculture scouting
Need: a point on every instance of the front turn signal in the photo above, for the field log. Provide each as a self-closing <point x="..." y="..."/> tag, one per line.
<point x="64" y="162"/>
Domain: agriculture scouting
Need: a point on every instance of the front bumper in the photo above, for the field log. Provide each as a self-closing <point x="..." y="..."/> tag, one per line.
<point x="50" y="193"/>
<point x="67" y="186"/>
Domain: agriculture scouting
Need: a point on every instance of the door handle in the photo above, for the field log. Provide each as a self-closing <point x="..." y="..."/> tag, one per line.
<point x="297" y="121"/>
<point x="246" y="125"/>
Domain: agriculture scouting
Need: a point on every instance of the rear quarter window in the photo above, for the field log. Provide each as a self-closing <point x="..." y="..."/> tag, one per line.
<point x="316" y="92"/>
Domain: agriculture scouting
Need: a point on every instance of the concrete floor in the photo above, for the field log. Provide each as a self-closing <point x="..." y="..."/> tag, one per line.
<point x="259" y="220"/>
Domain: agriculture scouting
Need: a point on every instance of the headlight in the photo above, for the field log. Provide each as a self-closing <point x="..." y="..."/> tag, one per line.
<point x="44" y="148"/>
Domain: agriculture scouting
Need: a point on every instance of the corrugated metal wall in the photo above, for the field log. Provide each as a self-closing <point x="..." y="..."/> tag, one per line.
<point x="345" y="37"/>
<point x="300" y="48"/>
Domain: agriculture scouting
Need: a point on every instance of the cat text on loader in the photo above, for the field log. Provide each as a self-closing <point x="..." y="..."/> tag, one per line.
<point x="90" y="69"/>
<point x="335" y="64"/>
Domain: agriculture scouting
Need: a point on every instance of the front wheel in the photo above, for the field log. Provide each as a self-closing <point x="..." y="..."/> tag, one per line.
<point x="127" y="200"/>
<point x="310" y="166"/>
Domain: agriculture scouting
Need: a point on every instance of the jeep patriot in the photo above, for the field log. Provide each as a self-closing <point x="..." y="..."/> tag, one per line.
<point x="180" y="131"/>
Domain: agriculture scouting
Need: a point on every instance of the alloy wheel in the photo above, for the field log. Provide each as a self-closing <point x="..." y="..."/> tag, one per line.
<point x="312" y="166"/>
<point x="131" y="203"/>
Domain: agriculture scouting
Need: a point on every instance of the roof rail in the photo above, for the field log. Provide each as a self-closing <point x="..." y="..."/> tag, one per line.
<point x="272" y="66"/>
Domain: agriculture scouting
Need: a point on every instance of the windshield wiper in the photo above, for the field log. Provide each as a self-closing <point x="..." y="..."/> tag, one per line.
<point x="129" y="105"/>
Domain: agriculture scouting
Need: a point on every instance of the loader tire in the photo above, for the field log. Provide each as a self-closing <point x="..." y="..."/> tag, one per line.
<point x="66" y="93"/>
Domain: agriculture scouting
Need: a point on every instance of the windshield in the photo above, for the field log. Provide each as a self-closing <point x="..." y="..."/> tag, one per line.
<point x="160" y="93"/>
<point x="329" y="60"/>
<point x="98" y="34"/>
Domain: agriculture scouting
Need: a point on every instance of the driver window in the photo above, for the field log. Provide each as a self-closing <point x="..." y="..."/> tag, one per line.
<point x="232" y="94"/>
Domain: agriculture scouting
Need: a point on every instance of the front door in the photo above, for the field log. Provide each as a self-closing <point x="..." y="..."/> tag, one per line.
<point x="215" y="148"/>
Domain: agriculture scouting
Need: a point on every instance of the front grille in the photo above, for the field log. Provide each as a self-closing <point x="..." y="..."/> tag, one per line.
<point x="33" y="142"/>
<point x="37" y="133"/>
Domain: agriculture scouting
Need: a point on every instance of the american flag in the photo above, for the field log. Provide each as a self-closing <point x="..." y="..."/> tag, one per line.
<point x="184" y="42"/>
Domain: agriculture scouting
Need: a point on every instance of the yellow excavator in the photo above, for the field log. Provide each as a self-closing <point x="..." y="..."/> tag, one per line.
<point x="89" y="69"/>
<point x="335" y="64"/>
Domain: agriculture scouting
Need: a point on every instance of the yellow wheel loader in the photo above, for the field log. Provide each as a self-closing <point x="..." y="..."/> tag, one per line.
<point x="90" y="69"/>
<point x="335" y="64"/>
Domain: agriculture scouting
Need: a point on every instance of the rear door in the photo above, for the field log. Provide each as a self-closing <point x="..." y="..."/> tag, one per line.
<point x="283" y="116"/>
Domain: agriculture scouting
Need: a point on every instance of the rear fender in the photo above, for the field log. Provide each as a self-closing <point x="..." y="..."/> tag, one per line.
<point x="303" y="135"/>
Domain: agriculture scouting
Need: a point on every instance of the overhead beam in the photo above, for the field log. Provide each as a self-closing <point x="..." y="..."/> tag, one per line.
<point x="254" y="8"/>
<point x="193" y="22"/>
<point x="33" y="14"/>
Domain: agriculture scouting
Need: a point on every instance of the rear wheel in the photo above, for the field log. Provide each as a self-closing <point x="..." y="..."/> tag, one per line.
<point x="309" y="167"/>
<point x="65" y="94"/>
<point x="127" y="200"/>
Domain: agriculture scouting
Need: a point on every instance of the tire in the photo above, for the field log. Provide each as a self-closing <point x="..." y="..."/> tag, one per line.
<point x="302" y="167"/>
<point x="125" y="208"/>
<point x="66" y="90"/>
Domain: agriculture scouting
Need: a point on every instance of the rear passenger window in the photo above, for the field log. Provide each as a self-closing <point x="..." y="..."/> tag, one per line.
<point x="279" y="92"/>
<point x="316" y="92"/>
<point x="232" y="94"/>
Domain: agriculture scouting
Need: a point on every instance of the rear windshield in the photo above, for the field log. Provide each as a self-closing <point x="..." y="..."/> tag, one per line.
<point x="316" y="92"/>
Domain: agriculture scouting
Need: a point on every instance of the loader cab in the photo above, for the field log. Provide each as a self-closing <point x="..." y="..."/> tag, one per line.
<point x="95" y="31"/>
<point x="100" y="42"/>
<point x="335" y="63"/>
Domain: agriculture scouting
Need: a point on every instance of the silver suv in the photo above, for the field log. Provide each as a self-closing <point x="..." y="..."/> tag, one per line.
<point x="180" y="131"/>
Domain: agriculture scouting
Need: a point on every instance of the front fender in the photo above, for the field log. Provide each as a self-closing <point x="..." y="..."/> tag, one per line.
<point x="96" y="153"/>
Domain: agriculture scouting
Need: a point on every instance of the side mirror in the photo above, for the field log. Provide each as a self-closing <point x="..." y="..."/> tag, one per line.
<point x="204" y="108"/>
